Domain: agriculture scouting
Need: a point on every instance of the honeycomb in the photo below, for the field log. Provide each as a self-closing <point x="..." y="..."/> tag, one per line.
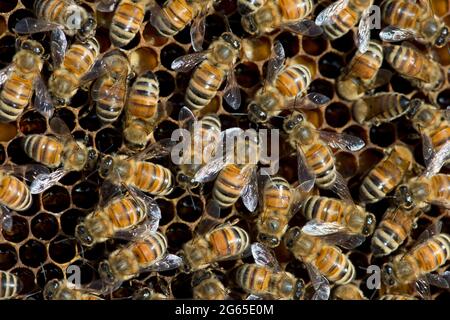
<point x="41" y="245"/>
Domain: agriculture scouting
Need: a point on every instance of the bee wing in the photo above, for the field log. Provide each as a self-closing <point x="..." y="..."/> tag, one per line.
<point x="42" y="100"/>
<point x="342" y="141"/>
<point x="439" y="280"/>
<point x="264" y="257"/>
<point x="232" y="94"/>
<point x="153" y="211"/>
<point x="437" y="160"/>
<point x="394" y="34"/>
<point x="158" y="149"/>
<point x="212" y="210"/>
<point x="276" y="61"/>
<point x="250" y="192"/>
<point x="429" y="232"/>
<point x="253" y="297"/>
<point x="304" y="27"/>
<point x="99" y="69"/>
<point x="320" y="283"/>
<point x="198" y="32"/>
<point x="306" y="176"/>
<point x="46" y="181"/>
<point x="345" y="240"/>
<point x="189" y="61"/>
<point x="364" y="31"/>
<point x="5" y="72"/>
<point x="29" y="171"/>
<point x="58" y="47"/>
<point x="186" y="118"/>
<point x="311" y="101"/>
<point x="59" y="127"/>
<point x="318" y="228"/>
<point x="169" y="262"/>
<point x="6" y="220"/>
<point x="106" y="5"/>
<point x="326" y="16"/>
<point x="30" y="25"/>
<point x="341" y="189"/>
<point x="423" y="288"/>
<point x="383" y="77"/>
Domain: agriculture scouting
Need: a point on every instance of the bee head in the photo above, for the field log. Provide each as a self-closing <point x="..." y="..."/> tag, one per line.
<point x="387" y="275"/>
<point x="87" y="29"/>
<point x="249" y="24"/>
<point x="83" y="235"/>
<point x="291" y="237"/>
<point x="291" y="122"/>
<point x="104" y="269"/>
<point x="33" y="46"/>
<point x="404" y="197"/>
<point x="443" y="38"/>
<point x="106" y="166"/>
<point x="256" y="113"/>
<point x="268" y="240"/>
<point x="186" y="181"/>
<point x="143" y="294"/>
<point x="299" y="289"/>
<point x="51" y="288"/>
<point x="369" y="225"/>
<point x="233" y="40"/>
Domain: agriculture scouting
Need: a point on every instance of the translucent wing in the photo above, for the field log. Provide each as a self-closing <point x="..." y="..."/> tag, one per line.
<point x="158" y="149"/>
<point x="319" y="282"/>
<point x="345" y="240"/>
<point x="28" y="171"/>
<point x="106" y="5"/>
<point x="318" y="228"/>
<point x="4" y="73"/>
<point x="99" y="69"/>
<point x="42" y="100"/>
<point x="250" y="192"/>
<point x="169" y="262"/>
<point x="32" y="25"/>
<point x="253" y="297"/>
<point x="206" y="224"/>
<point x="342" y="141"/>
<point x="58" y="47"/>
<point x="6" y="220"/>
<point x="46" y="181"/>
<point x="326" y="16"/>
<point x="439" y="280"/>
<point x="189" y="61"/>
<point x="59" y="127"/>
<point x="394" y="34"/>
<point x="437" y="161"/>
<point x="306" y="176"/>
<point x="383" y="77"/>
<point x="232" y="94"/>
<point x="153" y="211"/>
<point x="276" y="61"/>
<point x="364" y="31"/>
<point x="198" y="32"/>
<point x="341" y="189"/>
<point x="264" y="257"/>
<point x="429" y="232"/>
<point x="427" y="149"/>
<point x="305" y="27"/>
<point x="186" y="118"/>
<point x="311" y="101"/>
<point x="423" y="288"/>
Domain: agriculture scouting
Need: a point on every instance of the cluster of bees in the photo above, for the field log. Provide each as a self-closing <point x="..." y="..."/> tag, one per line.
<point x="128" y="209"/>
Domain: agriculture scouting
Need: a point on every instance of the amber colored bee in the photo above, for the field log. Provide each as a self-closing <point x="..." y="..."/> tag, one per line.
<point x="421" y="70"/>
<point x="20" y="79"/>
<point x="406" y="19"/>
<point x="215" y="64"/>
<point x="347" y="292"/>
<point x="396" y="297"/>
<point x="14" y="194"/>
<point x="224" y="242"/>
<point x="141" y="110"/>
<point x="363" y="73"/>
<point x="10" y="285"/>
<point x="63" y="290"/>
<point x="206" y="286"/>
<point x="386" y="175"/>
<point x="70" y="68"/>
<point x="286" y="14"/>
<point x="327" y="259"/>
<point x="109" y="91"/>
<point x="145" y="176"/>
<point x="342" y="15"/>
<point x="142" y="254"/>
<point x="265" y="277"/>
<point x="393" y="230"/>
<point x="246" y="7"/>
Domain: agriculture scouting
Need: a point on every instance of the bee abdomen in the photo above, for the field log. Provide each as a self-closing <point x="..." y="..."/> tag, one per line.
<point x="126" y="22"/>
<point x="228" y="242"/>
<point x="293" y="80"/>
<point x="228" y="186"/>
<point x="321" y="161"/>
<point x="387" y="238"/>
<point x="341" y="24"/>
<point x="322" y="209"/>
<point x="14" y="194"/>
<point x="335" y="266"/>
<point x="124" y="213"/>
<point x="380" y="181"/>
<point x="44" y="149"/>
<point x="149" y="250"/>
<point x="14" y="97"/>
<point x="144" y="96"/>
<point x="153" y="178"/>
<point x="295" y="10"/>
<point x="10" y="285"/>
<point x="253" y="278"/>
<point x="175" y="16"/>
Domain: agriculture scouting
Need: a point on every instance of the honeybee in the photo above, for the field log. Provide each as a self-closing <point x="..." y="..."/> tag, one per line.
<point x="265" y="277"/>
<point x="431" y="251"/>
<point x="246" y="7"/>
<point x="145" y="253"/>
<point x="290" y="15"/>
<point x="10" y="285"/>
<point x="279" y="203"/>
<point x="284" y="84"/>
<point x="415" y="20"/>
<point x="127" y="19"/>
<point x="148" y="294"/>
<point x="421" y="70"/>
<point x="324" y="261"/>
<point x="122" y="216"/>
<point x="20" y="79"/>
<point x="215" y="64"/>
<point x="141" y="110"/>
<point x="348" y="223"/>
<point x="206" y="286"/>
<point x="65" y="15"/>
<point x="396" y="297"/>
<point x="393" y="230"/>
<point x="64" y="290"/>
<point x="224" y="242"/>
<point x="316" y="162"/>
<point x="383" y="107"/>
<point x="62" y="152"/>
<point x="347" y="292"/>
<point x="363" y="73"/>
<point x="175" y="15"/>
<point x="339" y="17"/>
<point x="386" y="175"/>
<point x="14" y="194"/>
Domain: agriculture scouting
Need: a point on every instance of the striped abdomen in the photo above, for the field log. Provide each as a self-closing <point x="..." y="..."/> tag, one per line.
<point x="59" y="11"/>
<point x="381" y="107"/>
<point x="14" y="194"/>
<point x="293" y="80"/>
<point x="295" y="10"/>
<point x="320" y="159"/>
<point x="432" y="254"/>
<point x="323" y="209"/>
<point x="409" y="62"/>
<point x="277" y="196"/>
<point x="174" y="17"/>
<point x="44" y="149"/>
<point x="15" y="95"/>
<point x="204" y="84"/>
<point x="440" y="137"/>
<point x="365" y="66"/>
<point x="81" y="57"/>
<point x="440" y="188"/>
<point x="392" y="231"/>
<point x="149" y="177"/>
<point x="334" y="265"/>
<point x="144" y="96"/>
<point x="126" y="22"/>
<point x="229" y="185"/>
<point x="256" y="279"/>
<point x="341" y="23"/>
<point x="401" y="14"/>
<point x="10" y="285"/>
<point x="227" y="242"/>
<point x="110" y="98"/>
<point x="396" y="297"/>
